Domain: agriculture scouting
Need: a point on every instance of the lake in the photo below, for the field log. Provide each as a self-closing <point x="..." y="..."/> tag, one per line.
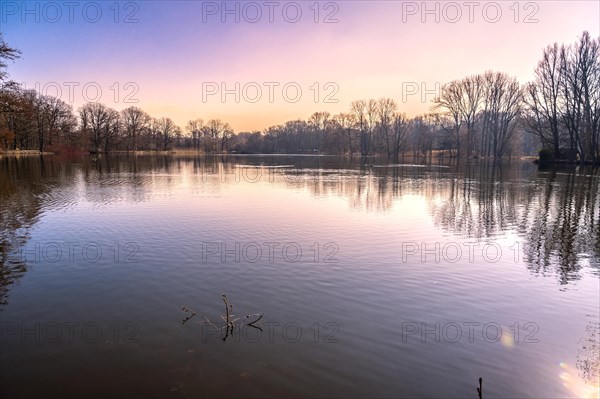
<point x="373" y="279"/>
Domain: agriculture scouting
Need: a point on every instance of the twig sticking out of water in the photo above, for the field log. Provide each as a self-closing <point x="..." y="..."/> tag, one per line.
<point x="228" y="309"/>
<point x="260" y="315"/>
<point x="229" y="323"/>
<point x="480" y="388"/>
<point x="186" y="309"/>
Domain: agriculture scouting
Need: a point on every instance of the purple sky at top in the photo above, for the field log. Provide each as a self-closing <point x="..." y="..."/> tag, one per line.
<point x="167" y="56"/>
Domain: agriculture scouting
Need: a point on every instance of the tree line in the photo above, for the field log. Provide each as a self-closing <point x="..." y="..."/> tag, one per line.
<point x="485" y="115"/>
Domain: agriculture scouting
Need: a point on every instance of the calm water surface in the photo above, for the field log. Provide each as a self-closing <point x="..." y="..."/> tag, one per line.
<point x="374" y="280"/>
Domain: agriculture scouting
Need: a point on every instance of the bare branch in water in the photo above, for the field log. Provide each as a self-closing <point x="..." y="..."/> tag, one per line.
<point x="186" y="309"/>
<point x="229" y="323"/>
<point x="226" y="308"/>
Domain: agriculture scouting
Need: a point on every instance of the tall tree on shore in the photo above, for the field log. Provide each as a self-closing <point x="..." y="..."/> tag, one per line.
<point x="318" y="122"/>
<point x="167" y="131"/>
<point x="194" y="128"/>
<point x="95" y="118"/>
<point x="134" y="121"/>
<point x="346" y="122"/>
<point x="59" y="118"/>
<point x="359" y="109"/>
<point x="449" y="103"/>
<point x="9" y="98"/>
<point x="372" y="117"/>
<point x="400" y="131"/>
<point x="112" y="130"/>
<point x="217" y="135"/>
<point x="581" y="90"/>
<point x="542" y="97"/>
<point x="503" y="106"/>
<point x="386" y="109"/>
<point x="471" y="97"/>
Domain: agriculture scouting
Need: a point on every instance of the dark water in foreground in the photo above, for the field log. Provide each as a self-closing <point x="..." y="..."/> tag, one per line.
<point x="384" y="281"/>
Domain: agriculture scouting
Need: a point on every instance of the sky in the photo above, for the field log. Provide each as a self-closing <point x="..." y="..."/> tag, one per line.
<point x="257" y="64"/>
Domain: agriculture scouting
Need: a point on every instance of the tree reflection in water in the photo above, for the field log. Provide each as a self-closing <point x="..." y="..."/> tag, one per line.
<point x="555" y="212"/>
<point x="20" y="200"/>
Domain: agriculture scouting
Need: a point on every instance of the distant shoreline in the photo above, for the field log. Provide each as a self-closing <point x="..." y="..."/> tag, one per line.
<point x="565" y="162"/>
<point x="438" y="154"/>
<point x="24" y="152"/>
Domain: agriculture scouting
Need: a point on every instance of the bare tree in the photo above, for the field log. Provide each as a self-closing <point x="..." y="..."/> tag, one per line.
<point x="472" y="91"/>
<point x="581" y="71"/>
<point x="503" y="105"/>
<point x="400" y="132"/>
<point x="542" y="99"/>
<point x="59" y="117"/>
<point x="345" y="123"/>
<point x="52" y="117"/>
<point x="359" y="108"/>
<point x="423" y="134"/>
<point x="112" y="129"/>
<point x="386" y="109"/>
<point x="449" y="102"/>
<point x="167" y="132"/>
<point x="39" y="105"/>
<point x="217" y="131"/>
<point x="318" y="121"/>
<point x="94" y="119"/>
<point x="194" y="128"/>
<point x="135" y="121"/>
<point x="372" y="116"/>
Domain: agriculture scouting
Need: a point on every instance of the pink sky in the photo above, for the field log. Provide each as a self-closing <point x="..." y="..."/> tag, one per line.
<point x="374" y="50"/>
